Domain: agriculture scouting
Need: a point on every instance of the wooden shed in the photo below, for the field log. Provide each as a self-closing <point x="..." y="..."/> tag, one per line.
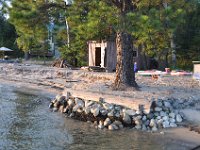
<point x="102" y="54"/>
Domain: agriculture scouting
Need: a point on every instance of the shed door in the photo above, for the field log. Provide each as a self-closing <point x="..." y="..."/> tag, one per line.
<point x="97" y="56"/>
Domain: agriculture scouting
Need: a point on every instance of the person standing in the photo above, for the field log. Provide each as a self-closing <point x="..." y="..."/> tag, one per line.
<point x="135" y="67"/>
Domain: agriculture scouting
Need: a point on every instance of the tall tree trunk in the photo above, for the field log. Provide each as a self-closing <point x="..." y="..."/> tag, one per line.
<point x="166" y="60"/>
<point x="173" y="51"/>
<point x="124" y="68"/>
<point x="146" y="65"/>
<point x="26" y="56"/>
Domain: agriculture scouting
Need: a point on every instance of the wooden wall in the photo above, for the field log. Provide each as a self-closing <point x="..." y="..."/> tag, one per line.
<point x="111" y="56"/>
<point x="92" y="45"/>
<point x="196" y="71"/>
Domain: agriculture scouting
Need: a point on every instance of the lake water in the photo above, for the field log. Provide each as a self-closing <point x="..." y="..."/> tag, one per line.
<point x="26" y="123"/>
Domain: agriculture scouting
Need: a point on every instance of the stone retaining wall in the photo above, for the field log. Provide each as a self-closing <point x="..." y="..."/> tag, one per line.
<point x="164" y="113"/>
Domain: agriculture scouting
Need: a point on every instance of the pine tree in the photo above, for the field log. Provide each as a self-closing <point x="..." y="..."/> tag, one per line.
<point x="100" y="20"/>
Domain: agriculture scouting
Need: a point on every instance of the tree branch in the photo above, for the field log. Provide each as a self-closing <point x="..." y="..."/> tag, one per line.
<point x="117" y="3"/>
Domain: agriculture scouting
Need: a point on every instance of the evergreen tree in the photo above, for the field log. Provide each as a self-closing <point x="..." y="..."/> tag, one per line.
<point x="147" y="23"/>
<point x="100" y="20"/>
<point x="32" y="20"/>
<point x="188" y="37"/>
<point x="88" y="20"/>
<point x="29" y="23"/>
<point x="8" y="36"/>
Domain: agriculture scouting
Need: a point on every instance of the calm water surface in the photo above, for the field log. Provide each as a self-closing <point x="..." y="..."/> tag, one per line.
<point x="26" y="123"/>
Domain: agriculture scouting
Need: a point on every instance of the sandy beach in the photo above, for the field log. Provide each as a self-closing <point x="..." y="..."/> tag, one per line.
<point x="55" y="80"/>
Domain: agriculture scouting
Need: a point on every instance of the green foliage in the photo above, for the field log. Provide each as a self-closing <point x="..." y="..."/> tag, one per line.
<point x="29" y="24"/>
<point x="88" y="20"/>
<point x="8" y="36"/>
<point x="188" y="37"/>
<point x="154" y="23"/>
<point x="30" y="19"/>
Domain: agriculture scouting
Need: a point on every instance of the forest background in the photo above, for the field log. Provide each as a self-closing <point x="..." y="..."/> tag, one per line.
<point x="162" y="28"/>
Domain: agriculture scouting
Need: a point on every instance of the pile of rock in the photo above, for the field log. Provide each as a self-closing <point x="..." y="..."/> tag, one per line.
<point x="113" y="117"/>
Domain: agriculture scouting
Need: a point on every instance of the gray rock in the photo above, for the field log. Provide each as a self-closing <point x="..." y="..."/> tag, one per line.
<point x="175" y="104"/>
<point x="162" y="113"/>
<point x="51" y="105"/>
<point x="101" y="125"/>
<point x="80" y="110"/>
<point x="165" y="118"/>
<point x="144" y="128"/>
<point x="71" y="102"/>
<point x="138" y="117"/>
<point x="55" y="109"/>
<point x="61" y="109"/>
<point x="87" y="110"/>
<point x="152" y="123"/>
<point x="154" y="129"/>
<point x="117" y="107"/>
<point x="89" y="122"/>
<point x="95" y="111"/>
<point x="66" y="109"/>
<point x="147" y="122"/>
<point x="172" y="115"/>
<point x="117" y="115"/>
<point x="95" y="123"/>
<point x="166" y="124"/>
<point x="71" y="115"/>
<point x="138" y="112"/>
<point x="172" y="120"/>
<point x="101" y="100"/>
<point x="117" y="122"/>
<point x="111" y="127"/>
<point x="158" y="109"/>
<point x="54" y="101"/>
<point x="156" y="114"/>
<point x="108" y="106"/>
<point x="159" y="104"/>
<point x="159" y="117"/>
<point x="150" y="115"/>
<point x="89" y="103"/>
<point x="121" y="126"/>
<point x="160" y="123"/>
<point x="111" y="113"/>
<point x="138" y="122"/>
<point x="144" y="118"/>
<point x="103" y="111"/>
<point x="129" y="112"/>
<point x="107" y="122"/>
<point x="79" y="102"/>
<point x="67" y="95"/>
<point x="126" y="118"/>
<point x="76" y="107"/>
<point x="60" y="97"/>
<point x="173" y="125"/>
<point x="167" y="104"/>
<point x="56" y="104"/>
<point x="179" y="118"/>
<point x="138" y="127"/>
<point x="115" y="126"/>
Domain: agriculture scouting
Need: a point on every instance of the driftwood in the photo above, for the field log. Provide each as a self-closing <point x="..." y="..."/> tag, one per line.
<point x="72" y="80"/>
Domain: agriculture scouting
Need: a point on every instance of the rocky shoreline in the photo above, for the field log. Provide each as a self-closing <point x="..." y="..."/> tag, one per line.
<point x="170" y="95"/>
<point x="164" y="113"/>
